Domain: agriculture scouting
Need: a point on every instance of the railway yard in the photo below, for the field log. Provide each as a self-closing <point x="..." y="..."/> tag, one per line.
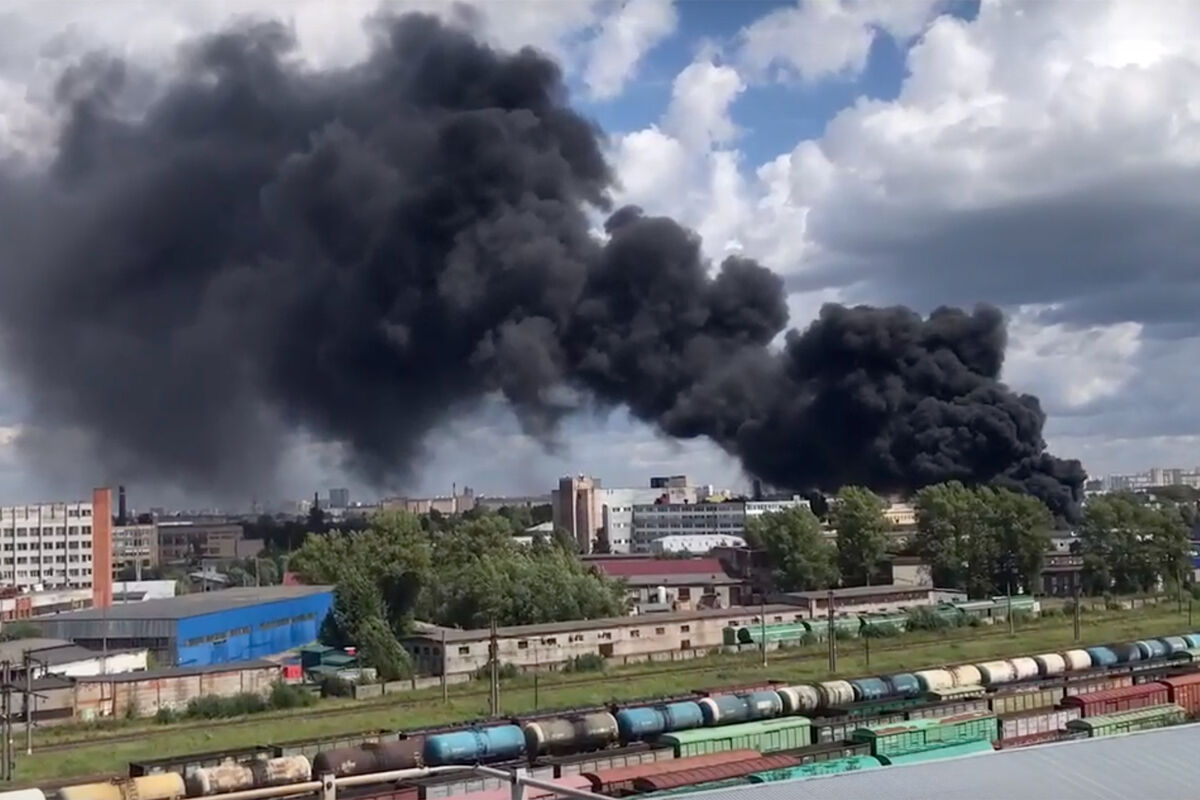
<point x="797" y="724"/>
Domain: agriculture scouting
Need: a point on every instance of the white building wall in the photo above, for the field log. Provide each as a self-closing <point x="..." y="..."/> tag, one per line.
<point x="47" y="545"/>
<point x="694" y="544"/>
<point x="114" y="664"/>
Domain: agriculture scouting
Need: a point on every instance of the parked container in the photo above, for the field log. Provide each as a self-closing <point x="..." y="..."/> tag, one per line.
<point x="1111" y="701"/>
<point x="932" y="679"/>
<point x="1102" y="656"/>
<point x="1184" y="691"/>
<point x="234" y="777"/>
<point x="1126" y="653"/>
<point x="1051" y="664"/>
<point x="835" y="766"/>
<point x="1024" y="668"/>
<point x="163" y="786"/>
<point x="839" y="729"/>
<point x="682" y="716"/>
<point x="1026" y="700"/>
<point x="617" y="781"/>
<point x="799" y="699"/>
<point x="996" y="673"/>
<point x="475" y="744"/>
<point x="627" y="756"/>
<point x="905" y="684"/>
<point x="966" y="675"/>
<point x="1128" y="721"/>
<point x="938" y="753"/>
<point x="635" y="724"/>
<point x="1077" y="660"/>
<point x="392" y="754"/>
<point x="835" y="693"/>
<point x="1174" y="644"/>
<point x="1151" y="649"/>
<point x="765" y="736"/>
<point x="702" y="775"/>
<point x="1032" y="727"/>
<point x="571" y="734"/>
<point x="868" y="689"/>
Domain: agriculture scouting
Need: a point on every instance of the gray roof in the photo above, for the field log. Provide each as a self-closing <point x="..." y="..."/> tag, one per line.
<point x="740" y="613"/>
<point x="189" y="605"/>
<point x="860" y="591"/>
<point x="1151" y="765"/>
<point x="678" y="579"/>
<point x="178" y="672"/>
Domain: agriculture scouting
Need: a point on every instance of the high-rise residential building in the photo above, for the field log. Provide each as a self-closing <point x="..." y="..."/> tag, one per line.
<point x="59" y="545"/>
<point x="339" y="498"/>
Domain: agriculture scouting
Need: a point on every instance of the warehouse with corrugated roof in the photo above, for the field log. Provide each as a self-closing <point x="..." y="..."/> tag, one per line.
<point x="1150" y="765"/>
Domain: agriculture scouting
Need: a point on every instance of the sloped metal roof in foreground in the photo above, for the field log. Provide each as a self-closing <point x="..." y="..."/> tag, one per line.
<point x="1150" y="765"/>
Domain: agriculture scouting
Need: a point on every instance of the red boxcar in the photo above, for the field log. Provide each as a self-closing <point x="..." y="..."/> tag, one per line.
<point x="1110" y="701"/>
<point x="1184" y="690"/>
<point x="620" y="779"/>
<point x="723" y="772"/>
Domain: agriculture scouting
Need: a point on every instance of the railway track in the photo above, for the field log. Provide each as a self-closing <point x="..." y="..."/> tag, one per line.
<point x="846" y="647"/>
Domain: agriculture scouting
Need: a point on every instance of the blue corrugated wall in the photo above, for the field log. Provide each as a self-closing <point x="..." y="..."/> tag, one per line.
<point x="251" y="632"/>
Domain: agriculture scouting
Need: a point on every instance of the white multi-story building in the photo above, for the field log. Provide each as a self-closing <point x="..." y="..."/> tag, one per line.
<point x="585" y="509"/>
<point x="694" y="544"/>
<point x="653" y="522"/>
<point x="58" y="546"/>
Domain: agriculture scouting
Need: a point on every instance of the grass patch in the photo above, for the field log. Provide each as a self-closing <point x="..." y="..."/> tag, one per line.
<point x="561" y="689"/>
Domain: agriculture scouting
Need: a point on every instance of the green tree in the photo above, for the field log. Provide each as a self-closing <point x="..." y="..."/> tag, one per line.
<point x="1019" y="525"/>
<point x="801" y="558"/>
<point x="857" y="516"/>
<point x="951" y="537"/>
<point x="1127" y="545"/>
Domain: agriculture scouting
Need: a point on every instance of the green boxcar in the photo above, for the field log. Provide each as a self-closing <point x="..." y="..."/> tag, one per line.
<point x="889" y="623"/>
<point x="939" y="753"/>
<point x="1140" y="719"/>
<point x="836" y="766"/>
<point x="847" y="626"/>
<point x="917" y="735"/>
<point x="765" y="736"/>
<point x="790" y="632"/>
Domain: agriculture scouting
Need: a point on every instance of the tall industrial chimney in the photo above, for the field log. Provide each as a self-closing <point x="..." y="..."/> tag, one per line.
<point x="122" y="511"/>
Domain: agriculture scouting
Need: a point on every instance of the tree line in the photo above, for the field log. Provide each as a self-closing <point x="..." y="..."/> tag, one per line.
<point x="464" y="571"/>
<point x="982" y="540"/>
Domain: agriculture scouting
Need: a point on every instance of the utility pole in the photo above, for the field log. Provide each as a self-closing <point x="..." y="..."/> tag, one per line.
<point x="1010" y="616"/>
<point x="445" y="698"/>
<point x="832" y="634"/>
<point x="536" y="670"/>
<point x="867" y="647"/>
<point x="6" y="676"/>
<point x="1077" y="612"/>
<point x="762" y="635"/>
<point x="27" y="660"/>
<point x="495" y="670"/>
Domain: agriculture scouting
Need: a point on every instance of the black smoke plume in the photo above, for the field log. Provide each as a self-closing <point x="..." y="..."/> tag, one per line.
<point x="363" y="253"/>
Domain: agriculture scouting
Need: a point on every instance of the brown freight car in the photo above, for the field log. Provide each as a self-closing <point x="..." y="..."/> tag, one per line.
<point x="1111" y="701"/>
<point x="619" y="782"/>
<point x="1184" y="691"/>
<point x="719" y="772"/>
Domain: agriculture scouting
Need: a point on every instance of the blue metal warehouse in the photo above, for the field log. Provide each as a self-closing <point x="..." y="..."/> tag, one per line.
<point x="205" y="628"/>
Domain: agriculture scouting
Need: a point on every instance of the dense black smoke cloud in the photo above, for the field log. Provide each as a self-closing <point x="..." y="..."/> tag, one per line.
<point x="364" y="253"/>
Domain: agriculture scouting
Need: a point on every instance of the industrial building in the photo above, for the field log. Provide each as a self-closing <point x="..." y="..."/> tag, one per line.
<point x="867" y="599"/>
<point x="665" y="636"/>
<point x="59" y="657"/>
<point x="671" y="584"/>
<point x="135" y="547"/>
<point x="203" y="628"/>
<point x="59" y="546"/>
<point x="655" y="521"/>
<point x="191" y="540"/>
<point x="584" y="508"/>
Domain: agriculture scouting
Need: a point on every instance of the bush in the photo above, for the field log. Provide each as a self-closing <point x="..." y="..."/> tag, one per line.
<point x="880" y="631"/>
<point x="842" y="634"/>
<point x="974" y="622"/>
<point x="925" y="619"/>
<point x="588" y="662"/>
<point x="1021" y="616"/>
<point x="287" y="695"/>
<point x="213" y="707"/>
<point x="166" y="716"/>
<point x="506" y="672"/>
<point x="333" y="686"/>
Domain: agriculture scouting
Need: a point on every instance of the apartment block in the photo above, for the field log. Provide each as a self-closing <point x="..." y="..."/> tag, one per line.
<point x="65" y="545"/>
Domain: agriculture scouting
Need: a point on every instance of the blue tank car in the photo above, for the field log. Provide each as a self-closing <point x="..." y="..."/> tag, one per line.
<point x="866" y="689"/>
<point x="723" y="709"/>
<point x="904" y="684"/>
<point x="1193" y="639"/>
<point x="635" y="724"/>
<point x="682" y="716"/>
<point x="474" y="745"/>
<point x="1126" y="653"/>
<point x="1102" y="656"/>
<point x="1151" y="648"/>
<point x="1174" y="644"/>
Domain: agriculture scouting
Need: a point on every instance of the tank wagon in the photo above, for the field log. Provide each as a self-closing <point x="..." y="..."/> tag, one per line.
<point x="1002" y="702"/>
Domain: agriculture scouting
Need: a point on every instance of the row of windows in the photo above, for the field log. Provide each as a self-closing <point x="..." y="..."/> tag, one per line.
<point x="48" y="572"/>
<point x="245" y="631"/>
<point x="635" y="633"/>
<point x="52" y="544"/>
<point x="54" y="559"/>
<point x="52" y="512"/>
<point x="73" y="530"/>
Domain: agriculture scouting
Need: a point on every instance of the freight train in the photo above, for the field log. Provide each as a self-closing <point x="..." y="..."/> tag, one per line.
<point x="1024" y="700"/>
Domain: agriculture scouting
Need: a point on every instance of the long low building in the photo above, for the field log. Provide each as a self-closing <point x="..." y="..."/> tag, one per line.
<point x="660" y="636"/>
<point x="62" y="658"/>
<point x="203" y="628"/>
